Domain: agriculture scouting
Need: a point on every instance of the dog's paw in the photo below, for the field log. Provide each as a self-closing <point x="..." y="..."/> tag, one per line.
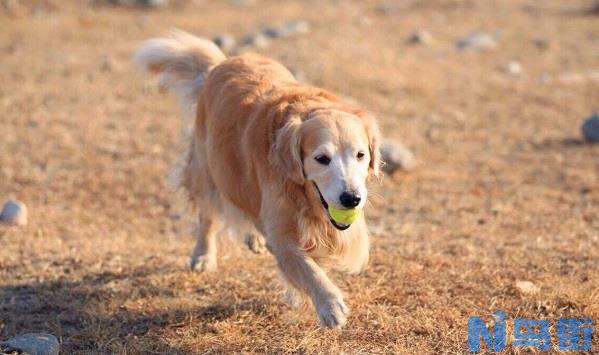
<point x="203" y="263"/>
<point x="255" y="243"/>
<point x="332" y="313"/>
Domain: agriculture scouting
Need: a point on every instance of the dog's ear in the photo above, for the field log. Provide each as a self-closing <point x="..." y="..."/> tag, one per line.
<point x="286" y="154"/>
<point x="374" y="139"/>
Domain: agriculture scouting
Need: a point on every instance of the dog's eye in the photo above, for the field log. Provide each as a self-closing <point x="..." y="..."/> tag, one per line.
<point x="323" y="159"/>
<point x="360" y="155"/>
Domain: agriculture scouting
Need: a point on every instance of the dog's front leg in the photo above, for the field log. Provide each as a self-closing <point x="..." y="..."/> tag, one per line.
<point x="303" y="273"/>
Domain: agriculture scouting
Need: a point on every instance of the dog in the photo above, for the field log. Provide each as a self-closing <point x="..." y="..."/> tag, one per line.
<point x="270" y="154"/>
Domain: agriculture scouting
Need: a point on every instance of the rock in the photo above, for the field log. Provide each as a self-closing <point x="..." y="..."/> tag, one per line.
<point x="477" y="40"/>
<point x="14" y="212"/>
<point x="287" y="29"/>
<point x="154" y="3"/>
<point x="226" y="42"/>
<point x="514" y="68"/>
<point x="590" y="128"/>
<point x="258" y="40"/>
<point x="420" y="37"/>
<point x="527" y="287"/>
<point x="32" y="344"/>
<point x="272" y="32"/>
<point x="396" y="156"/>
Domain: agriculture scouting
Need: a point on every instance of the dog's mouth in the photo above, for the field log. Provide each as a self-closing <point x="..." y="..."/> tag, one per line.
<point x="339" y="226"/>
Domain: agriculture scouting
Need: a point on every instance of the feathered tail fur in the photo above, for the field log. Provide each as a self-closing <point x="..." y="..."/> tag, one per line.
<point x="183" y="62"/>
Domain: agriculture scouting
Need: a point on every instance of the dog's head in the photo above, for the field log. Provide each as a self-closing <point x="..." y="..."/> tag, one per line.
<point x="335" y="150"/>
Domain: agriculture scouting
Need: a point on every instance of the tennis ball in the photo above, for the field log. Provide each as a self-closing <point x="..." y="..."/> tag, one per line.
<point x="344" y="216"/>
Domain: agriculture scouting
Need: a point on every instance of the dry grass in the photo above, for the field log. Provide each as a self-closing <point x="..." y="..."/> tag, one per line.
<point x="505" y="191"/>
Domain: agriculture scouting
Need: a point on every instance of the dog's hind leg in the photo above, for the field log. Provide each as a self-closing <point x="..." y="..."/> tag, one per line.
<point x="255" y="242"/>
<point x="203" y="256"/>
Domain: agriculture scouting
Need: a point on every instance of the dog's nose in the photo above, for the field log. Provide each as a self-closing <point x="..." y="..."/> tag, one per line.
<point x="350" y="199"/>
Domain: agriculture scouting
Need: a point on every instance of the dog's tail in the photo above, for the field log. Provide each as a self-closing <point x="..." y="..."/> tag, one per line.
<point x="183" y="62"/>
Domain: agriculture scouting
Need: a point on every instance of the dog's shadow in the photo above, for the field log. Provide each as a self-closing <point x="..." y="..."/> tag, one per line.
<point x="79" y="314"/>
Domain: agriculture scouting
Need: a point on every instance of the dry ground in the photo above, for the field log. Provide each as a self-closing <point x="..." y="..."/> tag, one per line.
<point x="505" y="191"/>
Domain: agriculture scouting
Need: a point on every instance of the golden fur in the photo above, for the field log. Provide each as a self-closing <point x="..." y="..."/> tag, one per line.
<point x="249" y="152"/>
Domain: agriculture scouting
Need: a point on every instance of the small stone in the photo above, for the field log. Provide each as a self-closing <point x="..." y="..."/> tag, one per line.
<point x="14" y="212"/>
<point x="32" y="344"/>
<point x="527" y="287"/>
<point x="287" y="29"/>
<point x="590" y="128"/>
<point x="257" y="40"/>
<point x="295" y="27"/>
<point x="514" y="68"/>
<point x="396" y="157"/>
<point x="226" y="42"/>
<point x="420" y="37"/>
<point x="154" y="3"/>
<point x="272" y="32"/>
<point x="477" y="40"/>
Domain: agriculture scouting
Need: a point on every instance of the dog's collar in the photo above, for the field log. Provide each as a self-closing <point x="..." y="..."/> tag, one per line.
<point x="324" y="203"/>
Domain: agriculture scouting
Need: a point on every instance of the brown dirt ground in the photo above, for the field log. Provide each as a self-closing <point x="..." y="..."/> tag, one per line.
<point x="505" y="191"/>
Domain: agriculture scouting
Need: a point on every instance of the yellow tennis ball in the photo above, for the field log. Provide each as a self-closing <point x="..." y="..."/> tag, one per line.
<point x="344" y="216"/>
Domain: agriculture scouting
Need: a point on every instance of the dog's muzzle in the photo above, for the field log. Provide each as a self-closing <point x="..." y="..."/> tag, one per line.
<point x="339" y="226"/>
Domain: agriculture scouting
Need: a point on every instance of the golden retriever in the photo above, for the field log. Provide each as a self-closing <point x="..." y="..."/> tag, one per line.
<point x="270" y="154"/>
